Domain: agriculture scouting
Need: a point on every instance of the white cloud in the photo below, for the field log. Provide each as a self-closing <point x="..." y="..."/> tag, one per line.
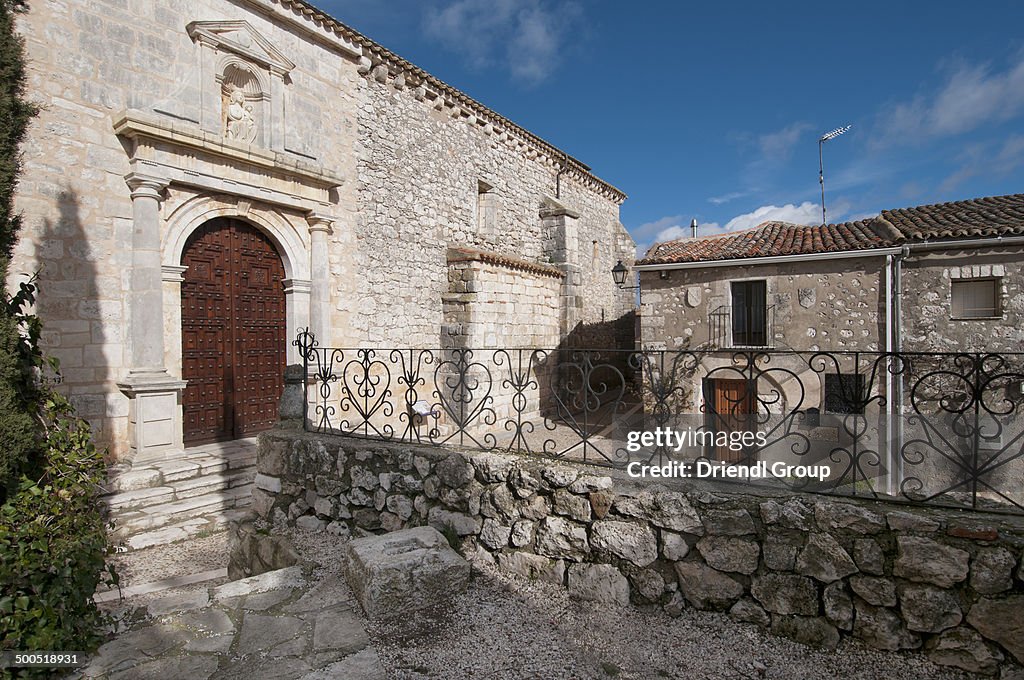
<point x="668" y="228"/>
<point x="779" y="145"/>
<point x="523" y="36"/>
<point x="725" y="198"/>
<point x="972" y="96"/>
<point x="805" y="213"/>
<point x="978" y="159"/>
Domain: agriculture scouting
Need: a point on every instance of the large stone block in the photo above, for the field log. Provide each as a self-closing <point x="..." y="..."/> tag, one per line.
<point x="404" y="571"/>
<point x="728" y="522"/>
<point x="992" y="571"/>
<point x="964" y="648"/>
<point x="730" y="554"/>
<point x="598" y="583"/>
<point x="880" y="592"/>
<point x="833" y="516"/>
<point x="560" y="538"/>
<point x="929" y="609"/>
<point x="882" y="628"/>
<point x="629" y="540"/>
<point x="706" y="588"/>
<point x="533" y="566"/>
<point x="1001" y="621"/>
<point x="786" y="594"/>
<point x="928" y="561"/>
<point x="824" y="559"/>
<point x="793" y="514"/>
<point x="666" y="510"/>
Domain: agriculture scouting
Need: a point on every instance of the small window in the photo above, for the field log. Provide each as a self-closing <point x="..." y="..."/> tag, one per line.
<point x="749" y="314"/>
<point x="975" y="299"/>
<point x="486" y="209"/>
<point x="844" y="393"/>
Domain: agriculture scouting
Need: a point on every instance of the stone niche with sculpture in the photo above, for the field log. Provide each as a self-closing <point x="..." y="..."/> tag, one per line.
<point x="237" y="88"/>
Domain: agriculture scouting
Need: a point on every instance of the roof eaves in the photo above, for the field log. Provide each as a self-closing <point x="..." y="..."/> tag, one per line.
<point x="576" y="167"/>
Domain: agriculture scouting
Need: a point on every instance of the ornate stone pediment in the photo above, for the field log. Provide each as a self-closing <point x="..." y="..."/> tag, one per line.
<point x="242" y="39"/>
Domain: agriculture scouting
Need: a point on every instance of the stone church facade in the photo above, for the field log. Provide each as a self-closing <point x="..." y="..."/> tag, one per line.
<point x="205" y="178"/>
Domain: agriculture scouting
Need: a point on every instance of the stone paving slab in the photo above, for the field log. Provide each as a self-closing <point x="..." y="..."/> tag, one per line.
<point x="281" y="624"/>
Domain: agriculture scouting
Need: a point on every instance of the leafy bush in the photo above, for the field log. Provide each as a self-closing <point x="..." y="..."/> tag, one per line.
<point x="21" y="364"/>
<point x="52" y="544"/>
<point x="53" y="536"/>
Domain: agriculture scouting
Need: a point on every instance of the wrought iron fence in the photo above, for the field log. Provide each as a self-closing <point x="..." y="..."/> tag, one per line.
<point x="914" y="427"/>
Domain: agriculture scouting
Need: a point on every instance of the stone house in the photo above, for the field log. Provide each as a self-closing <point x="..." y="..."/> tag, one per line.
<point x="930" y="279"/>
<point x="204" y="179"/>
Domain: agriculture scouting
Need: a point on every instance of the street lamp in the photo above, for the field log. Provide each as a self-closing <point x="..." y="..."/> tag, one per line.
<point x="619" y="272"/>
<point x="821" y="167"/>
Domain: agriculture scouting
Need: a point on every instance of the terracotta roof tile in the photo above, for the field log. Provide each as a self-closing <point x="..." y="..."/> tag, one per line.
<point x="979" y="217"/>
<point x="976" y="218"/>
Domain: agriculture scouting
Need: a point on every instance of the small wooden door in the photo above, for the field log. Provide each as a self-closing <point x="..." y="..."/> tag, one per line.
<point x="730" y="407"/>
<point x="233" y="332"/>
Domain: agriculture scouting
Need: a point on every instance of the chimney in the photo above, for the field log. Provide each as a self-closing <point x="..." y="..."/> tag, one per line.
<point x="693" y="228"/>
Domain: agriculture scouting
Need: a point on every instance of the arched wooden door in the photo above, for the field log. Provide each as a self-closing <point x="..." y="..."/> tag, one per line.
<point x="233" y="332"/>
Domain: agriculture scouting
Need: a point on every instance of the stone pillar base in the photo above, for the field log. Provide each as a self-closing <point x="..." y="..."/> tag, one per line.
<point x="154" y="414"/>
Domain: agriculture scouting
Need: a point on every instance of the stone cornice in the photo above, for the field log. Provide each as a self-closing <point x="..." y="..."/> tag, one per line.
<point x="462" y="254"/>
<point x="138" y="125"/>
<point x="218" y="34"/>
<point x="381" y="64"/>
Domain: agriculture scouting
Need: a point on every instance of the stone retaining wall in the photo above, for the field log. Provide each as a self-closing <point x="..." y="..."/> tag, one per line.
<point x="808" y="567"/>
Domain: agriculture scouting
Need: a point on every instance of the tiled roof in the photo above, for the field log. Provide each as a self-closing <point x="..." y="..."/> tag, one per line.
<point x="976" y="218"/>
<point x="773" y="239"/>
<point x="990" y="216"/>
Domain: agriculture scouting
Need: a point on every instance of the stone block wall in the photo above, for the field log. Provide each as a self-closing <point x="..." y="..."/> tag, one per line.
<point x="498" y="303"/>
<point x="490" y="306"/>
<point x="421" y="163"/>
<point x="811" y="568"/>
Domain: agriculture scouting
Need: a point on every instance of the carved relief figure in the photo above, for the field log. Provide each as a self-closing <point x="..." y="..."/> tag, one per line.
<point x="240" y="124"/>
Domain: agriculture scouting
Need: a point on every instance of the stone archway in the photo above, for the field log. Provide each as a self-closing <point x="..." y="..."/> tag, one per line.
<point x="233" y="330"/>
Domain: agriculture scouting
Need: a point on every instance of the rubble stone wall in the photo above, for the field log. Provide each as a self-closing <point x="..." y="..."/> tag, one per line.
<point x="808" y="567"/>
<point x="829" y="305"/>
<point x="928" y="321"/>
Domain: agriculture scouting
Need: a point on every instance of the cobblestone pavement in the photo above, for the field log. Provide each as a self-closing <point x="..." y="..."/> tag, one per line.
<point x="283" y="624"/>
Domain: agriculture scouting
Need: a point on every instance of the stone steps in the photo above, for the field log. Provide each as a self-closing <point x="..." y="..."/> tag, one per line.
<point x="180" y="531"/>
<point x="192" y="492"/>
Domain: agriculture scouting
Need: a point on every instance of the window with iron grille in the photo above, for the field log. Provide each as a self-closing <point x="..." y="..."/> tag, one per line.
<point x="749" y="313"/>
<point x="975" y="299"/>
<point x="844" y="393"/>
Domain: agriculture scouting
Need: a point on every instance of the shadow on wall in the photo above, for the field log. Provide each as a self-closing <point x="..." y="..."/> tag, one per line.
<point x="69" y="306"/>
<point x="590" y="371"/>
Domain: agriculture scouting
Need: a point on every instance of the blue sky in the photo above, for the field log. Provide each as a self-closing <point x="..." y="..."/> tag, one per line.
<point x="713" y="110"/>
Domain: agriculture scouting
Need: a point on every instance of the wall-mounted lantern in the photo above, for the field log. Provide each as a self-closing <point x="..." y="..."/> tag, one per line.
<point x="619" y="273"/>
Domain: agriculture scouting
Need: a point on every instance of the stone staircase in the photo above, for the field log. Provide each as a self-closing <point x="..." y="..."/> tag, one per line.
<point x="197" y="491"/>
